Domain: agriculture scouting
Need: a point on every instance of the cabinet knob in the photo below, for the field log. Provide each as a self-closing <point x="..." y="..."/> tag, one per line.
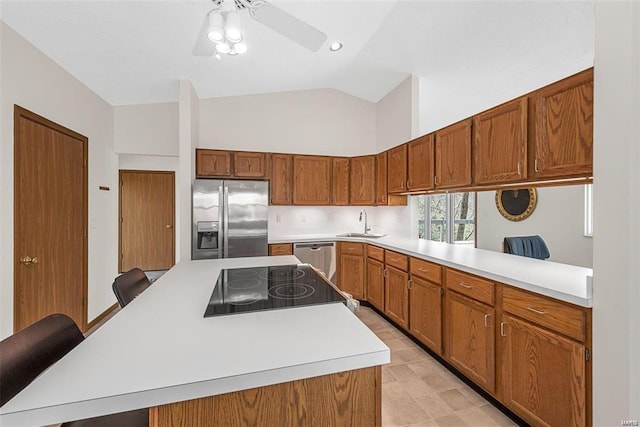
<point x="27" y="260"/>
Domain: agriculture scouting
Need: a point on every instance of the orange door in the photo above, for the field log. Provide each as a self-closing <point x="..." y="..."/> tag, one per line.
<point x="50" y="221"/>
<point x="147" y="203"/>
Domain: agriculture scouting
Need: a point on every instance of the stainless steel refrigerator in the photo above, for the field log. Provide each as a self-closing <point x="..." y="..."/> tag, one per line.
<point x="229" y="218"/>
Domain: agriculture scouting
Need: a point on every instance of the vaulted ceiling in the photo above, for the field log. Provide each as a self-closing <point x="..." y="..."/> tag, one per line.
<point x="134" y="52"/>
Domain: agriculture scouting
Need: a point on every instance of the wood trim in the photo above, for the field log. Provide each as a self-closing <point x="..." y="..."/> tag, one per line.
<point x="102" y="316"/>
<point x="20" y="112"/>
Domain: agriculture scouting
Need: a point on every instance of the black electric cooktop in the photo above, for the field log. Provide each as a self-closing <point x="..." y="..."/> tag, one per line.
<point x="239" y="290"/>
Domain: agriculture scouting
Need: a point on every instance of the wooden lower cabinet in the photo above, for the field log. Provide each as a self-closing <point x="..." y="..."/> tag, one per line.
<point x="470" y="338"/>
<point x="425" y="313"/>
<point x="375" y="283"/>
<point x="396" y="301"/>
<point x="543" y="375"/>
<point x="351" y="275"/>
<point x="350" y="398"/>
<point x="281" y="249"/>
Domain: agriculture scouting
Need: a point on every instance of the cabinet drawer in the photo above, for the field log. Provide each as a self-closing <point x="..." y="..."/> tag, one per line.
<point x="375" y="253"/>
<point x="281" y="249"/>
<point x="351" y="248"/>
<point x="396" y="260"/>
<point x="547" y="312"/>
<point x="427" y="270"/>
<point x="471" y="286"/>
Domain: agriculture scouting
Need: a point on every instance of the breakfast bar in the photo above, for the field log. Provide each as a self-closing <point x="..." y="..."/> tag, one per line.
<point x="287" y="365"/>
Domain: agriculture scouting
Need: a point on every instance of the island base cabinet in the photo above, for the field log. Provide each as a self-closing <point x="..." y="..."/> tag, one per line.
<point x="470" y="338"/>
<point x="543" y="375"/>
<point x="350" y="398"/>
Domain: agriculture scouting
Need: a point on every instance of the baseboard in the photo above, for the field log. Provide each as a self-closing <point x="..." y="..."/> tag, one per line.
<point x="101" y="317"/>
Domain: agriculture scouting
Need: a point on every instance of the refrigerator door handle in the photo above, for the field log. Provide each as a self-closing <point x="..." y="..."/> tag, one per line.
<point x="225" y="221"/>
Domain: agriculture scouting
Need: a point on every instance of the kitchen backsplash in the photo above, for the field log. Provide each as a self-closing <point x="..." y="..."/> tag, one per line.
<point x="285" y="220"/>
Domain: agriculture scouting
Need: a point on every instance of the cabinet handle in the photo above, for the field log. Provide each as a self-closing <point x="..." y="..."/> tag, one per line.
<point x="424" y="270"/>
<point x="385" y="273"/>
<point x="465" y="286"/>
<point x="486" y="317"/>
<point x="535" y="165"/>
<point x="519" y="171"/>
<point x="435" y="180"/>
<point x="536" y="311"/>
<point x="409" y="283"/>
<point x="502" y="334"/>
<point x="402" y="185"/>
<point x="408" y="185"/>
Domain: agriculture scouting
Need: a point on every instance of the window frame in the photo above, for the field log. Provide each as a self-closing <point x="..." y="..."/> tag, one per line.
<point x="450" y="218"/>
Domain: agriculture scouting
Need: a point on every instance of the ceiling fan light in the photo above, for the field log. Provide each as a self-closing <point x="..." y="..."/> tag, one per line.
<point x="240" y="48"/>
<point x="215" y="33"/>
<point x="223" y="48"/>
<point x="233" y="30"/>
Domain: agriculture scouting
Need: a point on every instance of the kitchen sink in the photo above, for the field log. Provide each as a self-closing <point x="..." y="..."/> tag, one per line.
<point x="360" y="235"/>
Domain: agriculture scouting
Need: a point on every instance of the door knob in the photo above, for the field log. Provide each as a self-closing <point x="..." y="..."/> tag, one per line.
<point x="169" y="226"/>
<point x="28" y="260"/>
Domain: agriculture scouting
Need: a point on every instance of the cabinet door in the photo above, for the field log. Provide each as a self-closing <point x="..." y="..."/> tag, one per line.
<point x="564" y="127"/>
<point x="500" y="143"/>
<point x="213" y="163"/>
<point x="543" y="375"/>
<point x="420" y="163"/>
<point x="362" y="181"/>
<point x="281" y="249"/>
<point x="311" y="180"/>
<point x="470" y="338"/>
<point x="425" y="310"/>
<point x="397" y="169"/>
<point x="453" y="155"/>
<point x="248" y="165"/>
<point x="340" y="181"/>
<point x="352" y="275"/>
<point x="281" y="177"/>
<point x="381" y="179"/>
<point x="396" y="302"/>
<point x="375" y="283"/>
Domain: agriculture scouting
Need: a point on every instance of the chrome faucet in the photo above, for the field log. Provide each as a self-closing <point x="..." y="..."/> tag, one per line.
<point x="366" y="227"/>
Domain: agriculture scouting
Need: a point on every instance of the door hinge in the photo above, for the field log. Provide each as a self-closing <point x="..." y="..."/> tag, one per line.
<point x="587" y="354"/>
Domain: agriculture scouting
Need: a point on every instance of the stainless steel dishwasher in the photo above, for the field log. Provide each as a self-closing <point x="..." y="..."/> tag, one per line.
<point x="321" y="255"/>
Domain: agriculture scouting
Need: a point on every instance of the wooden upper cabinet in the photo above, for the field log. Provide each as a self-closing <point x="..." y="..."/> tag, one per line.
<point x="564" y="127"/>
<point x="362" y="181"/>
<point x="381" y="179"/>
<point x="453" y="156"/>
<point x="420" y="163"/>
<point x="340" y="181"/>
<point x="500" y="143"/>
<point x="281" y="179"/>
<point x="211" y="163"/>
<point x="249" y="165"/>
<point x="397" y="169"/>
<point x="311" y="180"/>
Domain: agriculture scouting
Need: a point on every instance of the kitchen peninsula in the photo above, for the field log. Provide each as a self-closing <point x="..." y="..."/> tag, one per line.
<point x="288" y="366"/>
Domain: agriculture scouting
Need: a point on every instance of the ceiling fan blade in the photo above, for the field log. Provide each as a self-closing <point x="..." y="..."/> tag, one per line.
<point x="289" y="26"/>
<point x="203" y="46"/>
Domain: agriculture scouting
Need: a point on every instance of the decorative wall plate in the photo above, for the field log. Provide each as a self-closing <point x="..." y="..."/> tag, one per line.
<point x="516" y="205"/>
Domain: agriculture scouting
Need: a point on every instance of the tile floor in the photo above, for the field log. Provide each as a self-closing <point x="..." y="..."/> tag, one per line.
<point x="418" y="391"/>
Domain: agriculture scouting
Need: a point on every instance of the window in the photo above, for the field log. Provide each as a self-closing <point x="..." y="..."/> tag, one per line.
<point x="588" y="210"/>
<point x="447" y="217"/>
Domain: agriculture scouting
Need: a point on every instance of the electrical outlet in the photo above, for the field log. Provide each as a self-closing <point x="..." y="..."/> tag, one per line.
<point x="303" y="218"/>
<point x="278" y="218"/>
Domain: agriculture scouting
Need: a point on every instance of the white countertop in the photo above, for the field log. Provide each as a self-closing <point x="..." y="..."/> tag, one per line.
<point x="160" y="349"/>
<point x="561" y="281"/>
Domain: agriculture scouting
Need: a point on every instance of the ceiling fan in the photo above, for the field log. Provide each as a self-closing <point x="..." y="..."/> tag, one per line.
<point x="220" y="31"/>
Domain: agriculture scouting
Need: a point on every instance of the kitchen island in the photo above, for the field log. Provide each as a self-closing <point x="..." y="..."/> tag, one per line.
<point x="289" y="366"/>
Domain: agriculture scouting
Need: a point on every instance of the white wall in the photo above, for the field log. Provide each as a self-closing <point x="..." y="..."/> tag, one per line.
<point x="448" y="99"/>
<point x="326" y="122"/>
<point x="33" y="81"/>
<point x="146" y="129"/>
<point x="394" y="116"/>
<point x="558" y="218"/>
<point x="616" y="260"/>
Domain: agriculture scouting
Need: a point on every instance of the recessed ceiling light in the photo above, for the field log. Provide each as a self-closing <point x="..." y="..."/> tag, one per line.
<point x="335" y="46"/>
